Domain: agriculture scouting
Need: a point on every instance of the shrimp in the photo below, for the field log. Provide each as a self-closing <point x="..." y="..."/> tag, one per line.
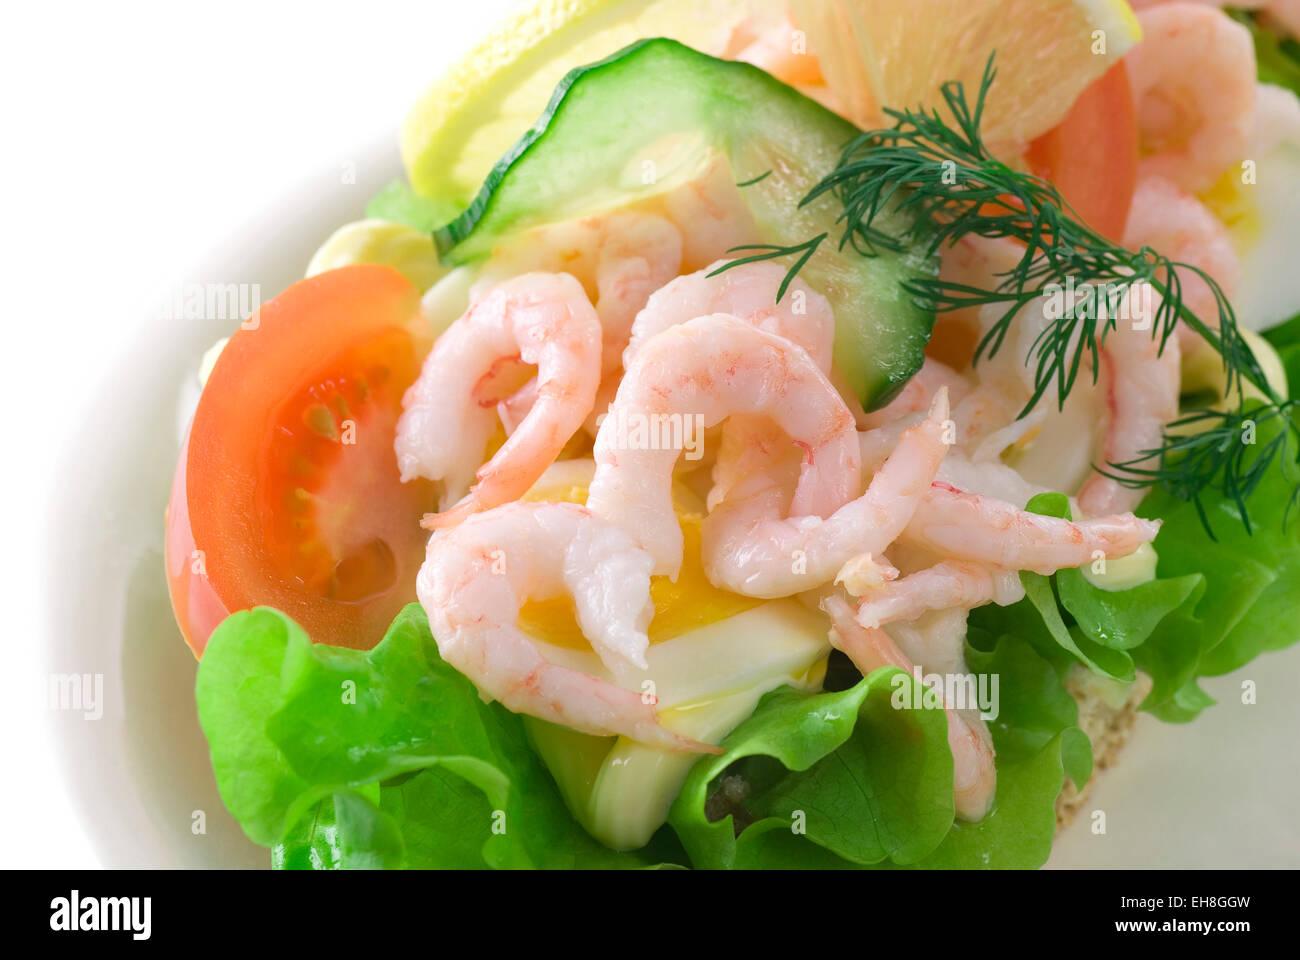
<point x="1283" y="13"/>
<point x="753" y="457"/>
<point x="747" y="548"/>
<point x="475" y="579"/>
<point x="974" y="775"/>
<point x="937" y="643"/>
<point x="542" y="318"/>
<point x="638" y="254"/>
<point x="948" y="584"/>
<point x="972" y="261"/>
<point x="621" y="258"/>
<point x="1183" y="229"/>
<point x="747" y="292"/>
<point x="1141" y="383"/>
<point x="989" y="478"/>
<point x="711" y="213"/>
<point x="514" y="409"/>
<point x="694" y="376"/>
<point x="1193" y="82"/>
<point x="965" y="526"/>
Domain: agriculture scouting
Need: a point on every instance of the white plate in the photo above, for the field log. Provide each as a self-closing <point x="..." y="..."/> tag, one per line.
<point x="140" y="773"/>
<point x="1221" y="792"/>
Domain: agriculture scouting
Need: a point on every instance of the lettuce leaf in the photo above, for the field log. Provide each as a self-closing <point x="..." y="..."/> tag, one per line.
<point x="1219" y="600"/>
<point x="1252" y="597"/>
<point x="381" y="758"/>
<point x="861" y="779"/>
<point x="398" y="203"/>
<point x="1277" y="55"/>
<point x="874" y="782"/>
<point x="1038" y="745"/>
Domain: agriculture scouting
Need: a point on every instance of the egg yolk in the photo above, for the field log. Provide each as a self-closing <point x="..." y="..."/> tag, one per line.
<point x="691" y="602"/>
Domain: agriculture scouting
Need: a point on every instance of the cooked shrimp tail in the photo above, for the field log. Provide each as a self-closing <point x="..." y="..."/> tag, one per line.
<point x="967" y="526"/>
<point x="974" y="774"/>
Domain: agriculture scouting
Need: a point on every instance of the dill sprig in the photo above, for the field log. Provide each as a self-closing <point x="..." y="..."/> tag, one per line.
<point x="758" y="179"/>
<point x="1207" y="449"/>
<point x="802" y="252"/>
<point x="941" y="173"/>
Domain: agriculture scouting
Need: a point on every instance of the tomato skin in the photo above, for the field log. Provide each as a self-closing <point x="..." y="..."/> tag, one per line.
<point x="290" y="486"/>
<point x="195" y="604"/>
<point x="1092" y="154"/>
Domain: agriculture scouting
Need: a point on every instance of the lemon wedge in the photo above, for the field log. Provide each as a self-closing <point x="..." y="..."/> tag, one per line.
<point x="898" y="53"/>
<point x="476" y="111"/>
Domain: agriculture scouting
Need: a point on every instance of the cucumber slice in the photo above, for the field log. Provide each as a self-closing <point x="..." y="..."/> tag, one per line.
<point x="652" y="117"/>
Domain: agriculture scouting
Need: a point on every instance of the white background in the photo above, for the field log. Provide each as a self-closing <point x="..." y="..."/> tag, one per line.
<point x="138" y="135"/>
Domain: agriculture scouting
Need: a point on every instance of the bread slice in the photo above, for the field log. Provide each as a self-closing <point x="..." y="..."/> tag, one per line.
<point x="1107" y="712"/>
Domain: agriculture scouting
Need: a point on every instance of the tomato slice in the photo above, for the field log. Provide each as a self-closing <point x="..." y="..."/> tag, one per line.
<point x="1092" y="155"/>
<point x="195" y="604"/>
<point x="291" y="496"/>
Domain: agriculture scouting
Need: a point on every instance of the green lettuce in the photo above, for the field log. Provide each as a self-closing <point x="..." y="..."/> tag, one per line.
<point x="380" y="758"/>
<point x="870" y="785"/>
<point x="855" y="776"/>
<point x="1286" y="340"/>
<point x="398" y="203"/>
<point x="1222" y="596"/>
<point x="1277" y="55"/>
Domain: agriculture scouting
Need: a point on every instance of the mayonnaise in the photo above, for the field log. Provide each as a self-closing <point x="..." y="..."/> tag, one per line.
<point x="1123" y="573"/>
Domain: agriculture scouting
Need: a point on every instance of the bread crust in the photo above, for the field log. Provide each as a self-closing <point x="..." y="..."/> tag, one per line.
<point x="1108" y="725"/>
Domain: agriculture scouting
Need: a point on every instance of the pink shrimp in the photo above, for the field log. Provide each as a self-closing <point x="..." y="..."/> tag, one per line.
<point x="1193" y="81"/>
<point x="966" y="526"/>
<point x="949" y="584"/>
<point x="1141" y="384"/>
<point x="638" y="254"/>
<point x="711" y="213"/>
<point x="544" y="319"/>
<point x="622" y="258"/>
<point x="476" y="578"/>
<point x="748" y="548"/>
<point x="1284" y="12"/>
<point x="694" y="376"/>
<point x="1183" y="229"/>
<point x="747" y="292"/>
<point x="776" y="48"/>
<point x="974" y="774"/>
